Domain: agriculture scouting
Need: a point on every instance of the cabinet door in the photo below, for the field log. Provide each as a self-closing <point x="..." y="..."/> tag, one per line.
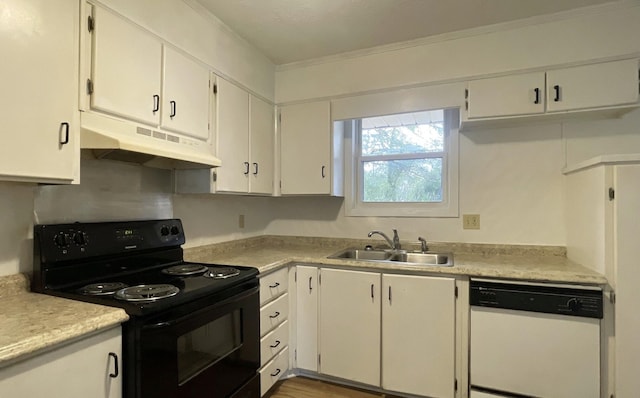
<point x="125" y="69"/>
<point x="307" y="318"/>
<point x="261" y="150"/>
<point x="506" y="96"/>
<point x="233" y="137"/>
<point x="79" y="370"/>
<point x="592" y="86"/>
<point x="350" y="325"/>
<point x="305" y="148"/>
<point x="418" y="335"/>
<point x="185" y="99"/>
<point x="39" y="90"/>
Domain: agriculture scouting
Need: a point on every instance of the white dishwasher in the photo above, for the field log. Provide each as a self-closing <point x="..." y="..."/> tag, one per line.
<point x="534" y="340"/>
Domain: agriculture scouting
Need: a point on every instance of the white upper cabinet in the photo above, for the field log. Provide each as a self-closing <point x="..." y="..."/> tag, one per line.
<point x="134" y="75"/>
<point x="261" y="150"/>
<point x="306" y="149"/>
<point x="233" y="137"/>
<point x="185" y="99"/>
<point x="506" y="96"/>
<point x="126" y="69"/>
<point x="39" y="80"/>
<point x="592" y="86"/>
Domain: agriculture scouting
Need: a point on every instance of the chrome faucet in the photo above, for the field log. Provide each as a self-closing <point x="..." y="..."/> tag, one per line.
<point x="423" y="244"/>
<point x="395" y="243"/>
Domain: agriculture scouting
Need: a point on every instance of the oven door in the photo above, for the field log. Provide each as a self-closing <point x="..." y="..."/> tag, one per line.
<point x="211" y="351"/>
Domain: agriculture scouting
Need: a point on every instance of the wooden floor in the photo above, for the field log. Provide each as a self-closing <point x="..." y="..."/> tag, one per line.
<point x="301" y="387"/>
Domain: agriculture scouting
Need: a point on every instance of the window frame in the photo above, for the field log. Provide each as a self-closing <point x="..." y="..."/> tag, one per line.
<point x="354" y="182"/>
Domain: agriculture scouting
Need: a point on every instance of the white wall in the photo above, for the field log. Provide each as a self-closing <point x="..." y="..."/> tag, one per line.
<point x="16" y="214"/>
<point x="190" y="27"/>
<point x="610" y="32"/>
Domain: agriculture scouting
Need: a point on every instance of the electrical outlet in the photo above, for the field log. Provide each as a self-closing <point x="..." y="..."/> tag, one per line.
<point x="241" y="221"/>
<point x="471" y="221"/>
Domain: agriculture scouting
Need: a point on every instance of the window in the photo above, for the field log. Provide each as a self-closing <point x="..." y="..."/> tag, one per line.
<point x="404" y="165"/>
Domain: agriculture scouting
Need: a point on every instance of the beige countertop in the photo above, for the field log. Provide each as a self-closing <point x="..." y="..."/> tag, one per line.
<point x="31" y="322"/>
<point x="532" y="263"/>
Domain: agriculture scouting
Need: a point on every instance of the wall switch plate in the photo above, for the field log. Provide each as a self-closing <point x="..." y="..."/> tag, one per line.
<point x="471" y="221"/>
<point x="241" y="221"/>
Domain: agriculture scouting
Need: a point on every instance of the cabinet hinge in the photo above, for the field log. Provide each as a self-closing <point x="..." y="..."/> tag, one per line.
<point x="612" y="297"/>
<point x="280" y="118"/>
<point x="455" y="385"/>
<point x="295" y="276"/>
<point x="90" y="24"/>
<point x="466" y="93"/>
<point x="295" y="355"/>
<point x="612" y="194"/>
<point x="319" y="278"/>
<point x="280" y="184"/>
<point x="215" y="89"/>
<point x="455" y="291"/>
<point x="319" y="361"/>
<point x="89" y="87"/>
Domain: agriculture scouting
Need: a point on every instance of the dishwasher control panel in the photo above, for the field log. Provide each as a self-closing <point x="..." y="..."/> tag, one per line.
<point x="537" y="298"/>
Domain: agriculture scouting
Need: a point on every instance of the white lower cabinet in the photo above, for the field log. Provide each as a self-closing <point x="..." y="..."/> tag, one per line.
<point x="274" y="328"/>
<point x="90" y="367"/>
<point x="418" y="335"/>
<point x="350" y="325"/>
<point x="395" y="332"/>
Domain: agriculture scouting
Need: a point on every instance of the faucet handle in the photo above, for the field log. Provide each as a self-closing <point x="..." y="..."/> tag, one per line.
<point x="396" y="240"/>
<point x="423" y="243"/>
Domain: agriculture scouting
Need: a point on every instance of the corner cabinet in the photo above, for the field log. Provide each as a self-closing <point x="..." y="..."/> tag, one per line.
<point x="90" y="367"/>
<point x="310" y="150"/>
<point x="606" y="89"/>
<point x="39" y="80"/>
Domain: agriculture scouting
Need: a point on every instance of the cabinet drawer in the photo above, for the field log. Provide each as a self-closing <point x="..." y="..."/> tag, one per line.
<point x="274" y="342"/>
<point x="273" y="285"/>
<point x="274" y="313"/>
<point x="272" y="372"/>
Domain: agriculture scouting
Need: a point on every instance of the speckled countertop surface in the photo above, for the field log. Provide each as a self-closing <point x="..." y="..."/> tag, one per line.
<point x="31" y="322"/>
<point x="532" y="263"/>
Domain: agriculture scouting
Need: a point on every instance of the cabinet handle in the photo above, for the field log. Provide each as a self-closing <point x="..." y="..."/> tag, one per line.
<point x="372" y="290"/>
<point x="64" y="127"/>
<point x="557" y="90"/>
<point x="255" y="169"/>
<point x="276" y="344"/>
<point x="389" y="294"/>
<point x="277" y="372"/>
<point x="310" y="289"/>
<point x="275" y="285"/>
<point x="115" y="365"/>
<point x="537" y="91"/>
<point x="322" y="171"/>
<point x="156" y="103"/>
<point x="173" y="109"/>
<point x="274" y="315"/>
<point x="246" y="168"/>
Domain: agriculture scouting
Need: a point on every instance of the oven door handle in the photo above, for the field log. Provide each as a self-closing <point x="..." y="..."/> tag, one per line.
<point x="173" y="322"/>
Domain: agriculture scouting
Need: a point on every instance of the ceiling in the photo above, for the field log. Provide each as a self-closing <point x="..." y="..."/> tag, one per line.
<point x="294" y="30"/>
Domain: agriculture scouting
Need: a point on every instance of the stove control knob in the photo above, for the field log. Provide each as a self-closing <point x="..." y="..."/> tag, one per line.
<point x="574" y="304"/>
<point x="164" y="231"/>
<point x="80" y="238"/>
<point x="61" y="240"/>
<point x="175" y="230"/>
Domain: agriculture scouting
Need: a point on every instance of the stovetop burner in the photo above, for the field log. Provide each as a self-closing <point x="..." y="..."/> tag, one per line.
<point x="102" y="289"/>
<point x="221" y="272"/>
<point x="146" y="292"/>
<point x="185" y="269"/>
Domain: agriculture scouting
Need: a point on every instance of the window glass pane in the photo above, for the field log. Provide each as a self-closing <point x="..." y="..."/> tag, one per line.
<point x="414" y="180"/>
<point x="418" y="132"/>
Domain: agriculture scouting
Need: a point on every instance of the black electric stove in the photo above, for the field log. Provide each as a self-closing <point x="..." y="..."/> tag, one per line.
<point x="190" y="323"/>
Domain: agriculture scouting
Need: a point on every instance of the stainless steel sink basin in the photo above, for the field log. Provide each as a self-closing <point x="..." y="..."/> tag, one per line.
<point x="356" y="254"/>
<point x="401" y="256"/>
<point x="441" y="259"/>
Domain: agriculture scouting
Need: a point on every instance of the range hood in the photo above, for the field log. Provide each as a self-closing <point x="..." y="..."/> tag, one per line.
<point x="115" y="139"/>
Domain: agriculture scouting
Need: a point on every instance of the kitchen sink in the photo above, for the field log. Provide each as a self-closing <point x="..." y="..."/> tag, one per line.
<point x="397" y="256"/>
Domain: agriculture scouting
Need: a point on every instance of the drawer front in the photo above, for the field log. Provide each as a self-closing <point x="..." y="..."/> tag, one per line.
<point x="273" y="314"/>
<point x="273" y="285"/>
<point x="275" y="369"/>
<point x="274" y="342"/>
